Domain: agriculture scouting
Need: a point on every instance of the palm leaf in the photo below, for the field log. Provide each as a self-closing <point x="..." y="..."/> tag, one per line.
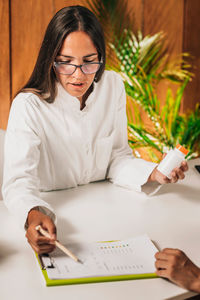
<point x="149" y="55"/>
<point x="114" y="16"/>
<point x="143" y="135"/>
<point x="191" y="134"/>
<point x="142" y="63"/>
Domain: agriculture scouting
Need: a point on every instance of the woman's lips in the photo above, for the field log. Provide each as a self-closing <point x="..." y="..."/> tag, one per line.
<point x="77" y="84"/>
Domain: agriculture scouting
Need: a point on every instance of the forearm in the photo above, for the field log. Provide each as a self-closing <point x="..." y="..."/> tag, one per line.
<point x="21" y="200"/>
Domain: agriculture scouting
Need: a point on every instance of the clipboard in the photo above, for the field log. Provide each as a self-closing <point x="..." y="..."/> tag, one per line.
<point x="93" y="279"/>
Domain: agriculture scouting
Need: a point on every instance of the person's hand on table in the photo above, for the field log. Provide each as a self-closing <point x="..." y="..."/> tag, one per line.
<point x="177" y="267"/>
<point x="39" y="243"/>
<point x="176" y="174"/>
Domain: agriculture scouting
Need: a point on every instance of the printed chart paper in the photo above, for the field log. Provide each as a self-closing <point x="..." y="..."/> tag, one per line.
<point x="131" y="256"/>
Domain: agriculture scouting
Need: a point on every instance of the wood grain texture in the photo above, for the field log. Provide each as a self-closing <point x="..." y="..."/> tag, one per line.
<point x="58" y="4"/>
<point x="191" y="44"/>
<point x="4" y="64"/>
<point x="135" y="8"/>
<point x="179" y="19"/>
<point x="29" y="20"/>
<point x="166" y="16"/>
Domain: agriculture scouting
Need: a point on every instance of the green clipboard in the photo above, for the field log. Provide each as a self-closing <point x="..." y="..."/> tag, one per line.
<point x="55" y="282"/>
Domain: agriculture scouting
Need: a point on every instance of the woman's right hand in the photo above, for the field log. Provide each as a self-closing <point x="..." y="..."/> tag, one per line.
<point x="38" y="242"/>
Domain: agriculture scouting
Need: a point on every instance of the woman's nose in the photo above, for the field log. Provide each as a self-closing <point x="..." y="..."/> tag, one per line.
<point x="78" y="73"/>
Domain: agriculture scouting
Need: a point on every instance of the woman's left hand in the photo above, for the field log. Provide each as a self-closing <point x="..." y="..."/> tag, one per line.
<point x="176" y="174"/>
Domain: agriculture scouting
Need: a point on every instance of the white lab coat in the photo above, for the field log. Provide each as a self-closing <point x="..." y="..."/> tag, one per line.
<point x="50" y="146"/>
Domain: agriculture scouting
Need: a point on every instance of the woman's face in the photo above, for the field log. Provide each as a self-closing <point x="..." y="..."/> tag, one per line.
<point x="77" y="49"/>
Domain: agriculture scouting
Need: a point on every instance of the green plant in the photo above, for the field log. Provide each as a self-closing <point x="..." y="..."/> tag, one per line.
<point x="143" y="62"/>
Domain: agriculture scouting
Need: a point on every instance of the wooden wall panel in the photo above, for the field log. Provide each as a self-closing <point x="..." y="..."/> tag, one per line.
<point x="166" y="16"/>
<point x="179" y="19"/>
<point x="4" y="63"/>
<point x="191" y="44"/>
<point x="62" y="3"/>
<point x="29" y="19"/>
<point x="136" y="9"/>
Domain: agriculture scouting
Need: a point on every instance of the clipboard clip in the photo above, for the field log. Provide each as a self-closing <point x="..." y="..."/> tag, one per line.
<point x="51" y="264"/>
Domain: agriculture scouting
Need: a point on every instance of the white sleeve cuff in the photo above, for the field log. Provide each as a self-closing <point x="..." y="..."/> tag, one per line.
<point x="133" y="174"/>
<point x="151" y="188"/>
<point x="46" y="211"/>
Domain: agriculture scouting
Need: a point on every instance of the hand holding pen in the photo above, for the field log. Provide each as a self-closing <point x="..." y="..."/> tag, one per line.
<point x="57" y="243"/>
<point x="39" y="243"/>
<point x="42" y="237"/>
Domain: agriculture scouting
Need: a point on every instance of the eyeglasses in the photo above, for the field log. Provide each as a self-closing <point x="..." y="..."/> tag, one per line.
<point x="68" y="69"/>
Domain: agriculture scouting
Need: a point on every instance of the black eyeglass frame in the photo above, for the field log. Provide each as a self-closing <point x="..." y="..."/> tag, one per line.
<point x="56" y="63"/>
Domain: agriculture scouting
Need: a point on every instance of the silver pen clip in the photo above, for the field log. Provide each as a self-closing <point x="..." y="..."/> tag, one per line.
<point x="48" y="266"/>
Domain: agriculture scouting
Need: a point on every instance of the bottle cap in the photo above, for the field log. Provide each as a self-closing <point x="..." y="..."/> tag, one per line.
<point x="182" y="149"/>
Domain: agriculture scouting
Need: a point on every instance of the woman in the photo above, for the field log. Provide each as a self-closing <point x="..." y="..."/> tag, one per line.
<point x="67" y="126"/>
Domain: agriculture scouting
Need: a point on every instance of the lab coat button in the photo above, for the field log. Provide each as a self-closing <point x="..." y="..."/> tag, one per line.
<point x="87" y="148"/>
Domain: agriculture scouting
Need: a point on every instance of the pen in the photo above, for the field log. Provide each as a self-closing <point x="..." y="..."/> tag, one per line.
<point x="58" y="244"/>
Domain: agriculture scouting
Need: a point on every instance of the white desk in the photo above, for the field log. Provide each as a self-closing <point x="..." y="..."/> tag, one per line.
<point x="102" y="211"/>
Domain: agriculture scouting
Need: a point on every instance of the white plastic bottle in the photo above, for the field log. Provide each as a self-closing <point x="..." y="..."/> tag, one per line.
<point x="172" y="160"/>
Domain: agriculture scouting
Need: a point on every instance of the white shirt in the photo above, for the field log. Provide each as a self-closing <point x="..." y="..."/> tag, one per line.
<point x="50" y="146"/>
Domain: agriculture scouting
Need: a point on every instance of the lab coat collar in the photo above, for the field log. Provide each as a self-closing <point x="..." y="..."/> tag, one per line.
<point x="64" y="97"/>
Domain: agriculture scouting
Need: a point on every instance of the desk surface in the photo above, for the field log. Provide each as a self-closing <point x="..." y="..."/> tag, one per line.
<point x="102" y="211"/>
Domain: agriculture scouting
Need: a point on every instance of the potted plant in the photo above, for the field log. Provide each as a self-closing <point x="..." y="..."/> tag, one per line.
<point x="143" y="63"/>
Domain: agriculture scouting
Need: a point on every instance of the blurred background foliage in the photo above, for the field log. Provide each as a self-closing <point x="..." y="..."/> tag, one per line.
<point x="143" y="62"/>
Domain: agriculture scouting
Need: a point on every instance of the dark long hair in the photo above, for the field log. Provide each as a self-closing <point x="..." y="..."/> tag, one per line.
<point x="67" y="20"/>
